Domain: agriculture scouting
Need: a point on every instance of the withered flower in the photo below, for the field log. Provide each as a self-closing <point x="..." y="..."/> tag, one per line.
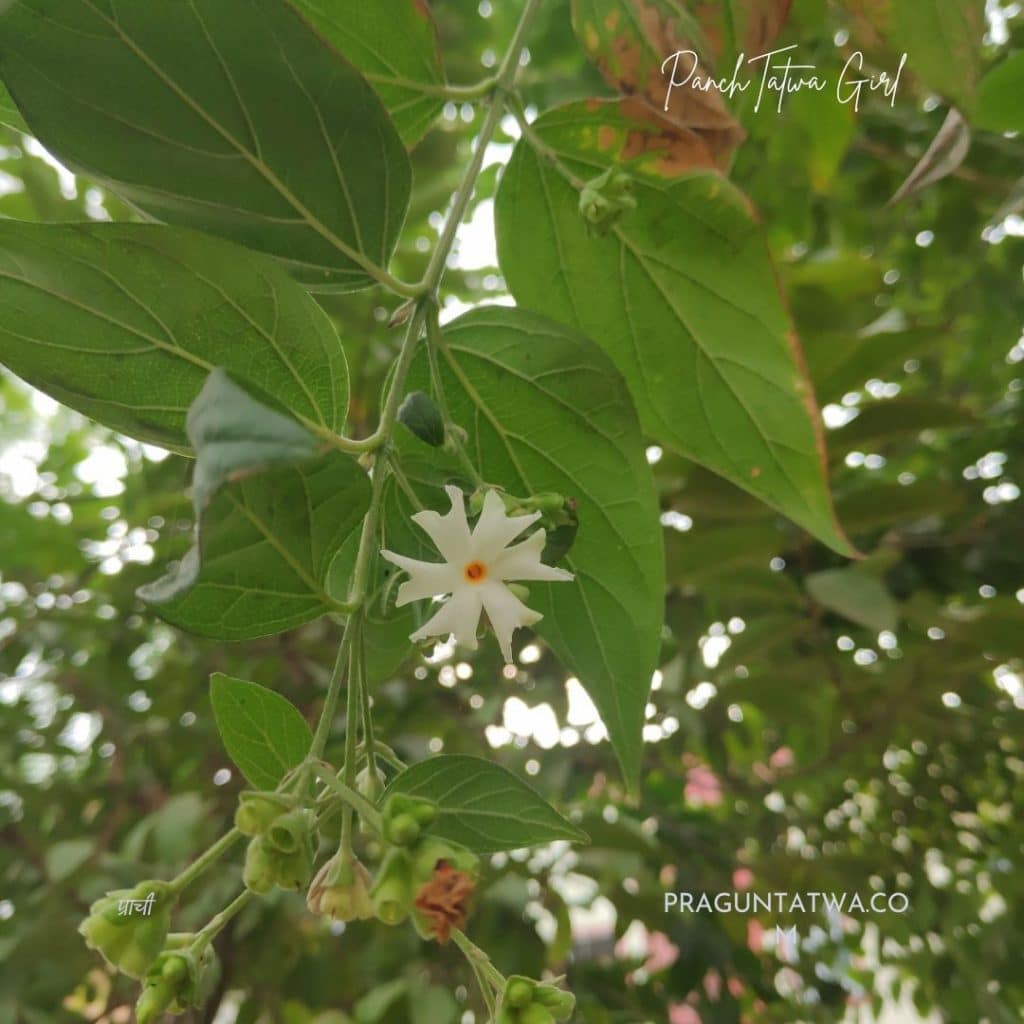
<point x="443" y="903"/>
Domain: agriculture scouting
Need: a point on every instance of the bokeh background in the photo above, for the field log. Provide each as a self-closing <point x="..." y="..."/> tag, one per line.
<point x="812" y="727"/>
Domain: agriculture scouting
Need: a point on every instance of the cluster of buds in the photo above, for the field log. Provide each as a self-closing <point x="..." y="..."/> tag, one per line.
<point x="558" y="517"/>
<point x="182" y="977"/>
<point x="425" y="876"/>
<point x="283" y="841"/>
<point x="129" y="926"/>
<point x="604" y="199"/>
<point x="526" y="1001"/>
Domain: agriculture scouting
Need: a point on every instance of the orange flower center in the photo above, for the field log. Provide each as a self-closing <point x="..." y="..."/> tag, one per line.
<point x="475" y="572"/>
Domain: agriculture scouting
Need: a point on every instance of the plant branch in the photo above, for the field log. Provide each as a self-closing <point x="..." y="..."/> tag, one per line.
<point x="204" y="860"/>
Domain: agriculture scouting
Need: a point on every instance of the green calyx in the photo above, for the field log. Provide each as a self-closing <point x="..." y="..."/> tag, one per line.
<point x="392" y="894"/>
<point x="128" y="926"/>
<point x="526" y="1001"/>
<point x="180" y="978"/>
<point x="405" y="817"/>
<point x="604" y="199"/>
<point x="257" y="811"/>
<point x="284" y="855"/>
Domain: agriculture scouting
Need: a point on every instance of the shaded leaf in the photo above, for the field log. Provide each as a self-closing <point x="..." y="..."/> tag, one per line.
<point x="999" y="96"/>
<point x="394" y="44"/>
<point x="263" y="733"/>
<point x="881" y="422"/>
<point x="482" y="805"/>
<point x="942" y="40"/>
<point x="682" y="293"/>
<point x="550" y="413"/>
<point x="86" y="308"/>
<point x="10" y="117"/>
<point x="180" y="112"/>
<point x="855" y="595"/>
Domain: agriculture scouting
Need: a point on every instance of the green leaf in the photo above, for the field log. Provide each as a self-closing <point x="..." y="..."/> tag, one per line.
<point x="942" y="40"/>
<point x="263" y="733"/>
<point x="482" y="805"/>
<point x="394" y="44"/>
<point x="683" y="296"/>
<point x="549" y="412"/>
<point x="64" y="858"/>
<point x="999" y="96"/>
<point x="884" y="506"/>
<point x="855" y="595"/>
<point x="87" y="308"/>
<point x="235" y="436"/>
<point x="10" y="117"/>
<point x="180" y="108"/>
<point x="272" y="516"/>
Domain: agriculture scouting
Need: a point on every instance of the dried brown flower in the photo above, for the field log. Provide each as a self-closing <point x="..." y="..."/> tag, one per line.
<point x="444" y="900"/>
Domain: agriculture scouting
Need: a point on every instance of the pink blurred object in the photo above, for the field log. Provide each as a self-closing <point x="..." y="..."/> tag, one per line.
<point x="680" y="1013"/>
<point x="702" y="787"/>
<point x="742" y="878"/>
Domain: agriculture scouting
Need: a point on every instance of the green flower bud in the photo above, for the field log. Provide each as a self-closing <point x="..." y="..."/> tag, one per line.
<point x="257" y="811"/>
<point x="293" y="869"/>
<point x="536" y="1014"/>
<point x="518" y="991"/>
<point x="604" y="199"/>
<point x="392" y="893"/>
<point x="557" y="1000"/>
<point x="401" y="829"/>
<point x="432" y="850"/>
<point x="260" y="872"/>
<point x="371" y="784"/>
<point x="341" y="890"/>
<point x="292" y="832"/>
<point x="179" y="979"/>
<point x="507" y="1016"/>
<point x="128" y="928"/>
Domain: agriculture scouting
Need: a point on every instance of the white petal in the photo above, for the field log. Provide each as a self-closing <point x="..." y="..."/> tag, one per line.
<point x="460" y="615"/>
<point x="426" y="579"/>
<point x="450" y="532"/>
<point x="522" y="562"/>
<point x="507" y="613"/>
<point x="495" y="528"/>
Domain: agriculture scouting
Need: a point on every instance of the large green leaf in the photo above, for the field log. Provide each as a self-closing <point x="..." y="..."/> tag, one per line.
<point x="262" y="732"/>
<point x="9" y="115"/>
<point x="482" y="805"/>
<point x="228" y="115"/>
<point x="999" y="96"/>
<point x="394" y="44"/>
<point x="123" y="322"/>
<point x="880" y="423"/>
<point x="548" y="412"/>
<point x="682" y="294"/>
<point x="941" y="38"/>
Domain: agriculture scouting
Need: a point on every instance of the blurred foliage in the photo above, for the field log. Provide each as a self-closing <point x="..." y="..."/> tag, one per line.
<point x="790" y="740"/>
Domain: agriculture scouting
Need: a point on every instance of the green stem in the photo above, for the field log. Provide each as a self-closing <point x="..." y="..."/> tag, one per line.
<point x="323" y="726"/>
<point x="351" y="797"/>
<point x="352" y="706"/>
<point x="216" y="923"/>
<point x="369" y="743"/>
<point x="479" y="959"/>
<point x="204" y="860"/>
<point x="472" y="91"/>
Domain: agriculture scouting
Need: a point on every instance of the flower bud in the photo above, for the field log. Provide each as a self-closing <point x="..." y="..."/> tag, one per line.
<point x="392" y="893"/>
<point x="404" y="818"/>
<point x="536" y="1014"/>
<point x="557" y="1000"/>
<point x="432" y="850"/>
<point x="179" y="979"/>
<point x="341" y="890"/>
<point x="126" y="935"/>
<point x="604" y="199"/>
<point x="518" y="991"/>
<point x="371" y="784"/>
<point x="259" y="872"/>
<point x="257" y="811"/>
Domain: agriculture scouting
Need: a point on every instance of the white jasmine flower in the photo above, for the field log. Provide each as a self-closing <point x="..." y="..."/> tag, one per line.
<point x="477" y="565"/>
